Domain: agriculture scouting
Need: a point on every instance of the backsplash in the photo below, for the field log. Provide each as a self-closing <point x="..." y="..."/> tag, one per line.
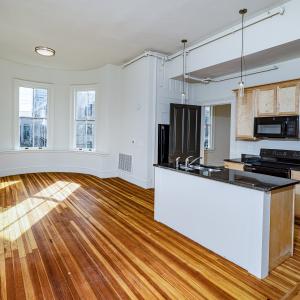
<point x="240" y="147"/>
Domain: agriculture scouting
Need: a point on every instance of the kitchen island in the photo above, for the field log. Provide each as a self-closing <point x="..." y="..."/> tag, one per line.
<point x="244" y="217"/>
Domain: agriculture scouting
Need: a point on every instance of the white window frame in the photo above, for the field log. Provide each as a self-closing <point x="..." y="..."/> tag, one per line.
<point x="34" y="85"/>
<point x="75" y="89"/>
<point x="212" y="129"/>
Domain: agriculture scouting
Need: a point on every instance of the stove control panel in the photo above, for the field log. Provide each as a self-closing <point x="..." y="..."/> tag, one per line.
<point x="280" y="154"/>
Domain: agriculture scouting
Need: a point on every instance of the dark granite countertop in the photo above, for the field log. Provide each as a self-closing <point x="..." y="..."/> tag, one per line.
<point x="249" y="180"/>
<point x="236" y="160"/>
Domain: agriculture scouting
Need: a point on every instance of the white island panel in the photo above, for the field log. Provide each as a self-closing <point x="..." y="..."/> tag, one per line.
<point x="230" y="220"/>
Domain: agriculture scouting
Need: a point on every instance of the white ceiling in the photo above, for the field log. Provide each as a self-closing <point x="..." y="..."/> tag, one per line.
<point x="91" y="33"/>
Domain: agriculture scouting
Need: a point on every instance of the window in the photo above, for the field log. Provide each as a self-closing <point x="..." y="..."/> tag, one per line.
<point x="85" y="119"/>
<point x="33" y="114"/>
<point x="208" y="127"/>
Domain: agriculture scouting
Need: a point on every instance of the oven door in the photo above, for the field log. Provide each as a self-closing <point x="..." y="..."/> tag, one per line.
<point x="270" y="127"/>
<point x="285" y="173"/>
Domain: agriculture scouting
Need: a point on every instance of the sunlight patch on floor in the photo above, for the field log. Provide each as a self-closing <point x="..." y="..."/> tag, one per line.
<point x="8" y="183"/>
<point x="16" y="220"/>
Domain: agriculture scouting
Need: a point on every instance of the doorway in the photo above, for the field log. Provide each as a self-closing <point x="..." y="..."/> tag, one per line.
<point x="215" y="146"/>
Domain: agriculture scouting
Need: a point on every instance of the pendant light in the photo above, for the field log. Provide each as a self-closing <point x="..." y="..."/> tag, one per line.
<point x="183" y="94"/>
<point x="241" y="91"/>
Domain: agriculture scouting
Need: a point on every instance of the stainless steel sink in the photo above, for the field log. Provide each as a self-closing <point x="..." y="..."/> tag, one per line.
<point x="214" y="170"/>
<point x="200" y="167"/>
<point x="183" y="167"/>
<point x="206" y="168"/>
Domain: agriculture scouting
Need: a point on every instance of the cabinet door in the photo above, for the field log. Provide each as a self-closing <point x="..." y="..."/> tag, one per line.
<point x="288" y="99"/>
<point x="296" y="175"/>
<point x="233" y="165"/>
<point x="185" y="126"/>
<point x="245" y="116"/>
<point x="266" y="101"/>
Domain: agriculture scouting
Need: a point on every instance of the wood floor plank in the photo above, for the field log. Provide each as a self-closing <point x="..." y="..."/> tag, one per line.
<point x="75" y="236"/>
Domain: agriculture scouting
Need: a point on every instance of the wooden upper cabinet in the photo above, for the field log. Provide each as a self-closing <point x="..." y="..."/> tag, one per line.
<point x="288" y="99"/>
<point x="245" y="116"/>
<point x="275" y="99"/>
<point x="266" y="101"/>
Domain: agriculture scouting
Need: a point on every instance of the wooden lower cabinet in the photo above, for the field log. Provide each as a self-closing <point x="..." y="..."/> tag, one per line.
<point x="281" y="222"/>
<point x="296" y="175"/>
<point x="234" y="165"/>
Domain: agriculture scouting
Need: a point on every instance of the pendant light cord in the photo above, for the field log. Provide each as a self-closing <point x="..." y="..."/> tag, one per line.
<point x="242" y="53"/>
<point x="183" y="66"/>
<point x="243" y="63"/>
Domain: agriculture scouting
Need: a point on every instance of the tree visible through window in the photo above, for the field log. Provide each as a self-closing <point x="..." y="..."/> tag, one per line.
<point x="33" y="106"/>
<point x="85" y="120"/>
<point x="208" y="127"/>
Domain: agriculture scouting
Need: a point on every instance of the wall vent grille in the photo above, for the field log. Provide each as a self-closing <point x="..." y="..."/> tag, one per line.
<point x="125" y="162"/>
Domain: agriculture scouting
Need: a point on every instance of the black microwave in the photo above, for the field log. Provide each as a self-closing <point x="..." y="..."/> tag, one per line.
<point x="277" y="127"/>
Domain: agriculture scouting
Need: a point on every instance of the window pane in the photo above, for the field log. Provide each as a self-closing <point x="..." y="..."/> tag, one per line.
<point x="40" y="133"/>
<point x="26" y="132"/>
<point x="84" y="119"/>
<point x="91" y="105"/>
<point x="25" y="102"/>
<point x="81" y="105"/>
<point x="208" y="134"/>
<point x="90" y="143"/>
<point x="40" y="97"/>
<point x="33" y="105"/>
<point x="207" y="113"/>
<point x="80" y="135"/>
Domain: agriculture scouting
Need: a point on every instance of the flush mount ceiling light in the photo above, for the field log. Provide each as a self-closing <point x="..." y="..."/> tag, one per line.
<point x="241" y="92"/>
<point x="44" y="51"/>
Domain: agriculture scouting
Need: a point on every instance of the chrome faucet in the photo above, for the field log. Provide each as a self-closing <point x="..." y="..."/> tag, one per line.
<point x="187" y="160"/>
<point x="198" y="158"/>
<point x="177" y="162"/>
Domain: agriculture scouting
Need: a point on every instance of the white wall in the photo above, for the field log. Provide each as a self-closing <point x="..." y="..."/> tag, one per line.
<point x="60" y="157"/>
<point x="146" y="94"/>
<point x="137" y="119"/>
<point x="222" y="92"/>
<point x="221" y="135"/>
<point x="126" y="120"/>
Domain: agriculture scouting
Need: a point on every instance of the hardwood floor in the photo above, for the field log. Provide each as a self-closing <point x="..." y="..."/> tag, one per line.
<point x="71" y="236"/>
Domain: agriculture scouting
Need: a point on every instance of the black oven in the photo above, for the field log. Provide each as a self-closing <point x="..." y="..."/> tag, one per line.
<point x="277" y="127"/>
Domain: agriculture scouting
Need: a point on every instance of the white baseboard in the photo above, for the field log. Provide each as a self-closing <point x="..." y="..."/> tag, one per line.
<point x="146" y="184"/>
<point x="43" y="169"/>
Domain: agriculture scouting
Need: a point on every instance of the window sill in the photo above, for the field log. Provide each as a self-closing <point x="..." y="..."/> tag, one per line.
<point x="94" y="152"/>
<point x="83" y="150"/>
<point x="32" y="149"/>
<point x="15" y="151"/>
<point x="209" y="149"/>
